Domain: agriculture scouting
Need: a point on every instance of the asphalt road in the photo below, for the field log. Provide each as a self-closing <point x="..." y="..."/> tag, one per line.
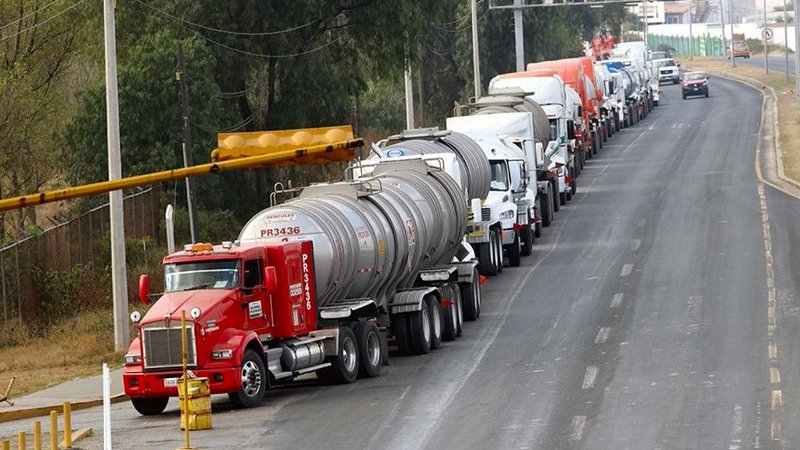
<point x="777" y="63"/>
<point x="642" y="321"/>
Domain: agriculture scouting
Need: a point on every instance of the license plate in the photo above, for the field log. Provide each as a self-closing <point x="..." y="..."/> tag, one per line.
<point x="170" y="382"/>
<point x="696" y="89"/>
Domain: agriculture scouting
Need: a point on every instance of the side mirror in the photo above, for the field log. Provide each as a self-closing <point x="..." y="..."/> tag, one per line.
<point x="144" y="288"/>
<point x="570" y="129"/>
<point x="678" y="64"/>
<point x="580" y="110"/>
<point x="270" y="280"/>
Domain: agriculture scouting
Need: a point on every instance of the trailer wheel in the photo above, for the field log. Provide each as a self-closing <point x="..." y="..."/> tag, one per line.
<point x="562" y="197"/>
<point x="437" y="321"/>
<point x="546" y="204"/>
<point x="554" y="188"/>
<point x="514" y="252"/>
<point x="459" y="303"/>
<point x="344" y="366"/>
<point x="149" y="406"/>
<point x="419" y="326"/>
<point x="253" y="379"/>
<point x="370" y="354"/>
<point x="526" y="236"/>
<point x="471" y="297"/>
<point x="450" y="315"/>
<point x="537" y="229"/>
<point x="402" y="333"/>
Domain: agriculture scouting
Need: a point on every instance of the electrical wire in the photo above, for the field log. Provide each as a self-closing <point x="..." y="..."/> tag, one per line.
<point x="219" y="30"/>
<point x="29" y="14"/>
<point x="263" y="55"/>
<point x="465" y="27"/>
<point x="42" y="22"/>
<point x="236" y="127"/>
<point x="455" y="21"/>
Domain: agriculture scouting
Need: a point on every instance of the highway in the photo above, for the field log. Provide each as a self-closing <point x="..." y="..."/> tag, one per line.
<point x="647" y="318"/>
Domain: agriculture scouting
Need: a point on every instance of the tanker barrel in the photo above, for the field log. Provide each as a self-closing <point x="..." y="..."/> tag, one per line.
<point x="374" y="235"/>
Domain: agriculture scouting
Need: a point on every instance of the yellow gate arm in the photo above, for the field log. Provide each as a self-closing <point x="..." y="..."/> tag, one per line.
<point x="237" y="151"/>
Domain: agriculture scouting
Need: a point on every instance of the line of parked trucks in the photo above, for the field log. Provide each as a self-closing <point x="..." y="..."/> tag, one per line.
<point x="328" y="280"/>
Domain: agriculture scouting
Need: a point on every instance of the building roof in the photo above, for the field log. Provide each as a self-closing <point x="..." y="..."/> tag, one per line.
<point x="675" y="8"/>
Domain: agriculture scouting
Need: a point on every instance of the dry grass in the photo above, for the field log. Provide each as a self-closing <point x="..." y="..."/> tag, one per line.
<point x="74" y="349"/>
<point x="788" y="109"/>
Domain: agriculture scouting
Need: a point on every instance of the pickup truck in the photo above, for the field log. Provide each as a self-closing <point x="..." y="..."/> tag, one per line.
<point x="667" y="70"/>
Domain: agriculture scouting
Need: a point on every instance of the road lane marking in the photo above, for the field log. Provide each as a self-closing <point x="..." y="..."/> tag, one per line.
<point x="773" y="350"/>
<point x="589" y="377"/>
<point x="736" y="431"/>
<point x="774" y="375"/>
<point x="635" y="244"/>
<point x="626" y="270"/>
<point x="602" y="335"/>
<point x="776" y="400"/>
<point x="616" y="301"/>
<point x="576" y="429"/>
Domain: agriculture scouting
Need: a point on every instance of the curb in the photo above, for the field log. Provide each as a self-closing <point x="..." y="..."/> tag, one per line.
<point x="39" y="411"/>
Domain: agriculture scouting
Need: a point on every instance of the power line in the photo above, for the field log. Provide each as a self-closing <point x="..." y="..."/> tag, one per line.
<point x="263" y="55"/>
<point x="219" y="30"/>
<point x="236" y="127"/>
<point x="42" y="22"/>
<point x="460" y="29"/>
<point x="30" y="14"/>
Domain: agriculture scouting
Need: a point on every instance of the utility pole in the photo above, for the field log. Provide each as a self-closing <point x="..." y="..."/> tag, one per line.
<point x="187" y="142"/>
<point x="409" y="97"/>
<point x="519" y="45"/>
<point x="730" y="19"/>
<point x="119" y="281"/>
<point x="796" y="51"/>
<point x="786" y="39"/>
<point x="476" y="67"/>
<point x="691" y="38"/>
<point x="764" y="36"/>
<point x="722" y="19"/>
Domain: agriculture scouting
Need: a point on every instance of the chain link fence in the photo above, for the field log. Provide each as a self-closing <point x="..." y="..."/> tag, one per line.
<point x="82" y="242"/>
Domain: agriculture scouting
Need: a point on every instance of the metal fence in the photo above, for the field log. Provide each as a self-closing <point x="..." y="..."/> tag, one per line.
<point x="81" y="241"/>
<point x="702" y="45"/>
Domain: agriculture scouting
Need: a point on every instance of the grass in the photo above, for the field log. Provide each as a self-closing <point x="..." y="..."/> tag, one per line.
<point x="788" y="108"/>
<point x="74" y="349"/>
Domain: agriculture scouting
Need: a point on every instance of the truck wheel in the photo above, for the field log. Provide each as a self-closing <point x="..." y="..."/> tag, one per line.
<point x="554" y="188"/>
<point x="450" y="315"/>
<point x="344" y="366"/>
<point x="537" y="229"/>
<point x="402" y="334"/>
<point x="437" y="321"/>
<point x="149" y="406"/>
<point x="254" y="382"/>
<point x="498" y="245"/>
<point x="471" y="297"/>
<point x="420" y="327"/>
<point x="562" y="197"/>
<point x="544" y="208"/>
<point x="486" y="258"/>
<point x="526" y="236"/>
<point x="514" y="252"/>
<point x="459" y="304"/>
<point x="370" y="355"/>
<point x="574" y="186"/>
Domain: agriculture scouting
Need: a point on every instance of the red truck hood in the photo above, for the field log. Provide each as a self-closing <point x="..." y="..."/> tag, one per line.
<point x="174" y="302"/>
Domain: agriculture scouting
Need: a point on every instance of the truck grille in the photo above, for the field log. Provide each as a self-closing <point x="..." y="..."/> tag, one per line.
<point x="162" y="346"/>
<point x="486" y="214"/>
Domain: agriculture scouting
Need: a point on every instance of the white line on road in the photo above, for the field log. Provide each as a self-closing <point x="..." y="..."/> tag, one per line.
<point x="626" y="270"/>
<point x="590" y="377"/>
<point x="635" y="244"/>
<point x="602" y="335"/>
<point x="576" y="429"/>
<point x="616" y="301"/>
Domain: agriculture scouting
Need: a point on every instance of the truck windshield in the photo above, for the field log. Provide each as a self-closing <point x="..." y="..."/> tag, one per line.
<point x="499" y="176"/>
<point x="201" y="275"/>
<point x="553" y="129"/>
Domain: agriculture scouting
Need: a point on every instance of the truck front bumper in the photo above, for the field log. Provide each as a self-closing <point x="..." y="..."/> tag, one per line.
<point x="162" y="384"/>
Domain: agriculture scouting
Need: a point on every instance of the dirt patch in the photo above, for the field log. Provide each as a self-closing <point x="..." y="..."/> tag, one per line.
<point x="788" y="109"/>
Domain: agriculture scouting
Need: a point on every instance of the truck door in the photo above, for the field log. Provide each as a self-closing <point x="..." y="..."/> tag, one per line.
<point x="255" y="300"/>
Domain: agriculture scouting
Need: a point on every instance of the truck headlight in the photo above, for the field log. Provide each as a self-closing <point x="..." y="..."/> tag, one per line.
<point x="222" y="354"/>
<point x="132" y="358"/>
<point x="136" y="316"/>
<point x="195" y="312"/>
<point x="507" y="214"/>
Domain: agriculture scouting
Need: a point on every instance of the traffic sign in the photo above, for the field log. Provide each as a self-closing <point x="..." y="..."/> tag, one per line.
<point x="767" y="33"/>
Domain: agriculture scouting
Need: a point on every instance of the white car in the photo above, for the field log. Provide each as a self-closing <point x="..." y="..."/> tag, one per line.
<point x="668" y="70"/>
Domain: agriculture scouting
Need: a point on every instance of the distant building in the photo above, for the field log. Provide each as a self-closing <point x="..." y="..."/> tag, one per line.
<point x="675" y="12"/>
<point x="654" y="11"/>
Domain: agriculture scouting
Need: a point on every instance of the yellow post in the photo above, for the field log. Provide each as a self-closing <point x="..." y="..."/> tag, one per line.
<point x="6" y="444"/>
<point x="21" y="440"/>
<point x="37" y="435"/>
<point x="53" y="430"/>
<point x="67" y="425"/>
<point x="185" y="357"/>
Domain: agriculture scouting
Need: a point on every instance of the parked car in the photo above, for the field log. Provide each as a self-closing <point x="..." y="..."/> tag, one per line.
<point x="740" y="50"/>
<point x="694" y="83"/>
<point x="667" y="70"/>
<point x="659" y="55"/>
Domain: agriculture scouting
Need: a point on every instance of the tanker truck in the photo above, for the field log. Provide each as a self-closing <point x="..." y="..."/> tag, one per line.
<point x="547" y="89"/>
<point x="318" y="284"/>
<point x="514" y="114"/>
